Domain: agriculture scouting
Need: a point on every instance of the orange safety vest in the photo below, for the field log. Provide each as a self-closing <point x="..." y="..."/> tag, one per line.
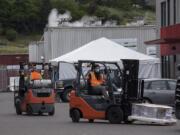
<point x="94" y="81"/>
<point x="35" y="75"/>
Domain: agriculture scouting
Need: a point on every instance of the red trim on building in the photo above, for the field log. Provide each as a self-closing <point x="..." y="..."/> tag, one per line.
<point x="163" y="41"/>
<point x="170" y="49"/>
<point x="13" y="59"/>
<point x="171" y="32"/>
<point x="169" y="41"/>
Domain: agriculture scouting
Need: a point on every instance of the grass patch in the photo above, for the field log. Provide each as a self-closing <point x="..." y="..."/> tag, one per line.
<point x="20" y="45"/>
<point x="13" y="49"/>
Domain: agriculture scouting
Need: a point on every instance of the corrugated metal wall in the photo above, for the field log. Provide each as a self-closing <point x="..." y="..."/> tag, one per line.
<point x="36" y="50"/>
<point x="47" y="45"/>
<point x="60" y="40"/>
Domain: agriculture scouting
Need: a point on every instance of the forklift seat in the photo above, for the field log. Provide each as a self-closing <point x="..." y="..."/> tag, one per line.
<point x="97" y="91"/>
<point x="97" y="102"/>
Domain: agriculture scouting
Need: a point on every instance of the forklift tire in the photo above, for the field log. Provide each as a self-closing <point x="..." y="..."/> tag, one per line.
<point x="17" y="104"/>
<point x="17" y="101"/>
<point x="177" y="113"/>
<point x="65" y="95"/>
<point x="147" y="100"/>
<point x="91" y="120"/>
<point x="29" y="110"/>
<point x="75" y="115"/>
<point x="40" y="113"/>
<point x="52" y="112"/>
<point x="18" y="109"/>
<point x="115" y="115"/>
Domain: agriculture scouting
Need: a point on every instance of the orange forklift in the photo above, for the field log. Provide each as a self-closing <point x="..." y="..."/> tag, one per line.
<point x="121" y="85"/>
<point x="34" y="96"/>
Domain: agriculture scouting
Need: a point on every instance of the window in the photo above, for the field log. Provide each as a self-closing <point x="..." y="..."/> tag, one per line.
<point x="146" y="85"/>
<point x="175" y="11"/>
<point x="163" y="14"/>
<point x="172" y="85"/>
<point x="168" y="11"/>
<point x="158" y="85"/>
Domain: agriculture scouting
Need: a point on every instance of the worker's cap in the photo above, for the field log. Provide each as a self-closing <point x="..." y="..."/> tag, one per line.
<point x="96" y="65"/>
<point x="33" y="69"/>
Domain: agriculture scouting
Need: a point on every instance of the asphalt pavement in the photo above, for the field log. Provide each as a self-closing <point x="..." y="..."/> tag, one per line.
<point x="60" y="123"/>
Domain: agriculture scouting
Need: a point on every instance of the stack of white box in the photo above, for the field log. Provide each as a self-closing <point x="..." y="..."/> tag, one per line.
<point x="152" y="113"/>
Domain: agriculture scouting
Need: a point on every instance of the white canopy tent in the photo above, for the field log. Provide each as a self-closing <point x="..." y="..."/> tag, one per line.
<point x="104" y="49"/>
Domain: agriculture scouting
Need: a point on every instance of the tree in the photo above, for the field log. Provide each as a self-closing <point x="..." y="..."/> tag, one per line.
<point x="6" y="7"/>
<point x="71" y="5"/>
<point x="27" y="16"/>
<point x="44" y="10"/>
<point x="120" y="4"/>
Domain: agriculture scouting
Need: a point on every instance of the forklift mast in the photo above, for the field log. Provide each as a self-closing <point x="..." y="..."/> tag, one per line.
<point x="21" y="76"/>
<point x="130" y="80"/>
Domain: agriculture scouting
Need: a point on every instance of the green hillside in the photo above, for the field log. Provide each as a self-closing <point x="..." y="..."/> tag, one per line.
<point x="20" y="45"/>
<point x="22" y="20"/>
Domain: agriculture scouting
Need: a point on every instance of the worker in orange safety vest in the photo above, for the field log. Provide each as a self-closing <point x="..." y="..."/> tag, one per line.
<point x="35" y="75"/>
<point x="96" y="83"/>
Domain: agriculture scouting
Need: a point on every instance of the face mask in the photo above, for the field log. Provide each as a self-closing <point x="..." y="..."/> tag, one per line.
<point x="97" y="70"/>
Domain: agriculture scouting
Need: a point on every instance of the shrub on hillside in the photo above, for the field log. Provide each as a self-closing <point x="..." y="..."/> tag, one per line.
<point x="1" y="31"/>
<point x="11" y="34"/>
